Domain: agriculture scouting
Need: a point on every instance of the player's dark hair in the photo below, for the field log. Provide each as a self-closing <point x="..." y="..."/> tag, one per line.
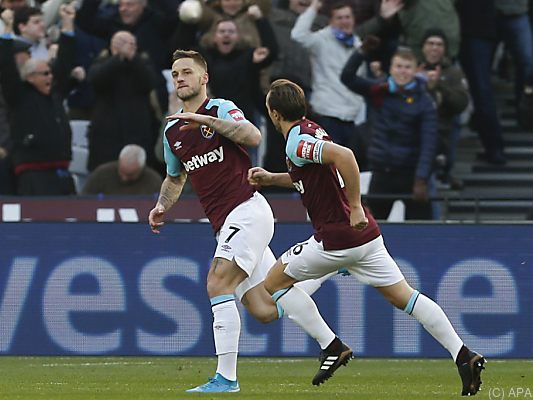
<point x="405" y="53"/>
<point x="288" y="99"/>
<point x="23" y="15"/>
<point x="337" y="5"/>
<point x="197" y="57"/>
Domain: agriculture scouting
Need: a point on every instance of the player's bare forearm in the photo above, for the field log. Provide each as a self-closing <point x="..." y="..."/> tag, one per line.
<point x="171" y="190"/>
<point x="244" y="133"/>
<point x="262" y="177"/>
<point x="282" y="179"/>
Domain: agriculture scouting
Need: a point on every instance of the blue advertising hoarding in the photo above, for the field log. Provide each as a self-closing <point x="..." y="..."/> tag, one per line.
<point x="80" y="289"/>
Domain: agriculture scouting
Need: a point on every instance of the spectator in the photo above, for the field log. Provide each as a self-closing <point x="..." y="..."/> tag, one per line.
<point x="292" y="63"/>
<point x="49" y="9"/>
<point x="241" y="11"/>
<point x="10" y="5"/>
<point x="293" y="59"/>
<point x="478" y="40"/>
<point x="151" y="27"/>
<point x="39" y="126"/>
<point x="525" y="112"/>
<point x="446" y="83"/>
<point x="81" y="98"/>
<point x="122" y="80"/>
<point x="127" y="176"/>
<point x="29" y="26"/>
<point x="338" y="110"/>
<point x="512" y="20"/>
<point x="7" y="179"/>
<point x="235" y="68"/>
<point x="404" y="133"/>
<point x="233" y="72"/>
<point x="413" y="18"/>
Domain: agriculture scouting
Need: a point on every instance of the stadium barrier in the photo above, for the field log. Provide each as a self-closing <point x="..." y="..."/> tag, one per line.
<point x="117" y="289"/>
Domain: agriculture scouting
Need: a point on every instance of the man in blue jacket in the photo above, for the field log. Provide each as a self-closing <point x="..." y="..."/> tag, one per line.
<point x="404" y="133"/>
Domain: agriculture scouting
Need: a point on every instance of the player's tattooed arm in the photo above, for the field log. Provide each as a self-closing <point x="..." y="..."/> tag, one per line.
<point x="171" y="190"/>
<point x="244" y="133"/>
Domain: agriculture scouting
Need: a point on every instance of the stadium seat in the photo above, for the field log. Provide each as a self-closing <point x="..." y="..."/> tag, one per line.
<point x="397" y="212"/>
<point x="80" y="152"/>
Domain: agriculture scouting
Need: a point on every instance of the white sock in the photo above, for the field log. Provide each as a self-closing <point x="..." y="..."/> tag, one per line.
<point x="310" y="286"/>
<point x="435" y="321"/>
<point x="303" y="310"/>
<point x="226" y="331"/>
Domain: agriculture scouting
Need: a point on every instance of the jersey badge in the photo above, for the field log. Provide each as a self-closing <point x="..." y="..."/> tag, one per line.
<point x="207" y="132"/>
<point x="305" y="150"/>
<point x="237" y="115"/>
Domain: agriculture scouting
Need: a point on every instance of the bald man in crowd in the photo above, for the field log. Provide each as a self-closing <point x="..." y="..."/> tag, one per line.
<point x="127" y="176"/>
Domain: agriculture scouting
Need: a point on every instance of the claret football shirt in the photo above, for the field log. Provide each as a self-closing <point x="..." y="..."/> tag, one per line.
<point x="322" y="189"/>
<point x="216" y="166"/>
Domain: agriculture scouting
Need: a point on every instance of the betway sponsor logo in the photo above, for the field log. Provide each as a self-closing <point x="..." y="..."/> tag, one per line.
<point x="196" y="162"/>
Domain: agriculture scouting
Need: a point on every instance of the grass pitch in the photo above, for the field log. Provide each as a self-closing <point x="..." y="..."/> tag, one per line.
<point x="80" y="378"/>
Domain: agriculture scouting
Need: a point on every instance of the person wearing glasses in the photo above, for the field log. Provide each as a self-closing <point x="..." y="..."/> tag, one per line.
<point x="40" y="129"/>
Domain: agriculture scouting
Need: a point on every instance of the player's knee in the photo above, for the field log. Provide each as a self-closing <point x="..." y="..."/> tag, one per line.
<point x="216" y="287"/>
<point x="266" y="316"/>
<point x="263" y="311"/>
<point x="270" y="288"/>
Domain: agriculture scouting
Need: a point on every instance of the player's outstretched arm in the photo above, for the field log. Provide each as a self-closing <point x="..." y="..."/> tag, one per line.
<point x="170" y="192"/>
<point x="244" y="133"/>
<point x="262" y="177"/>
<point x="346" y="164"/>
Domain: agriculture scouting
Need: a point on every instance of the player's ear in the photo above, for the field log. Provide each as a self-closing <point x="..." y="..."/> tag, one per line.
<point x="205" y="78"/>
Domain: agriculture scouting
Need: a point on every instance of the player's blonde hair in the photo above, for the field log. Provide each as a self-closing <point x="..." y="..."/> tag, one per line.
<point x="196" y="57"/>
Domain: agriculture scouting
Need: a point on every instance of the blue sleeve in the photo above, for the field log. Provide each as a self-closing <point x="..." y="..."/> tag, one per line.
<point x="173" y="162"/>
<point x="229" y="111"/>
<point x="304" y="149"/>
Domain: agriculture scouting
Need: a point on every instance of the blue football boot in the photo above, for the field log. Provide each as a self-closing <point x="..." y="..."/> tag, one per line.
<point x="217" y="384"/>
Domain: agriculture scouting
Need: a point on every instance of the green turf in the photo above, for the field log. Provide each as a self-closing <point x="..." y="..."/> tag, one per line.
<point x="80" y="378"/>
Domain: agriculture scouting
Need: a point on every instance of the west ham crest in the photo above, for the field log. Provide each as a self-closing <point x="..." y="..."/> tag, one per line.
<point x="207" y="132"/>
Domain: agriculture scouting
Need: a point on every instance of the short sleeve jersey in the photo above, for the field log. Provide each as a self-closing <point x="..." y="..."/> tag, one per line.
<point x="321" y="189"/>
<point x="216" y="166"/>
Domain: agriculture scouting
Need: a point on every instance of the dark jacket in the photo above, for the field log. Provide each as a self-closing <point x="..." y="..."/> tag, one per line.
<point x="451" y="91"/>
<point x="152" y="31"/>
<point x="477" y="18"/>
<point x="123" y="113"/>
<point x="404" y="129"/>
<point x="512" y="7"/>
<point x="39" y="125"/>
<point x="293" y="61"/>
<point x="234" y="76"/>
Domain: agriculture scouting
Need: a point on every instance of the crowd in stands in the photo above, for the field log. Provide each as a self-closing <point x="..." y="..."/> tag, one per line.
<point x="389" y="79"/>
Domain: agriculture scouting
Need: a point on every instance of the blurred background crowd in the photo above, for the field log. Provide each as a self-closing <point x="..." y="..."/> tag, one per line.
<point x="85" y="85"/>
